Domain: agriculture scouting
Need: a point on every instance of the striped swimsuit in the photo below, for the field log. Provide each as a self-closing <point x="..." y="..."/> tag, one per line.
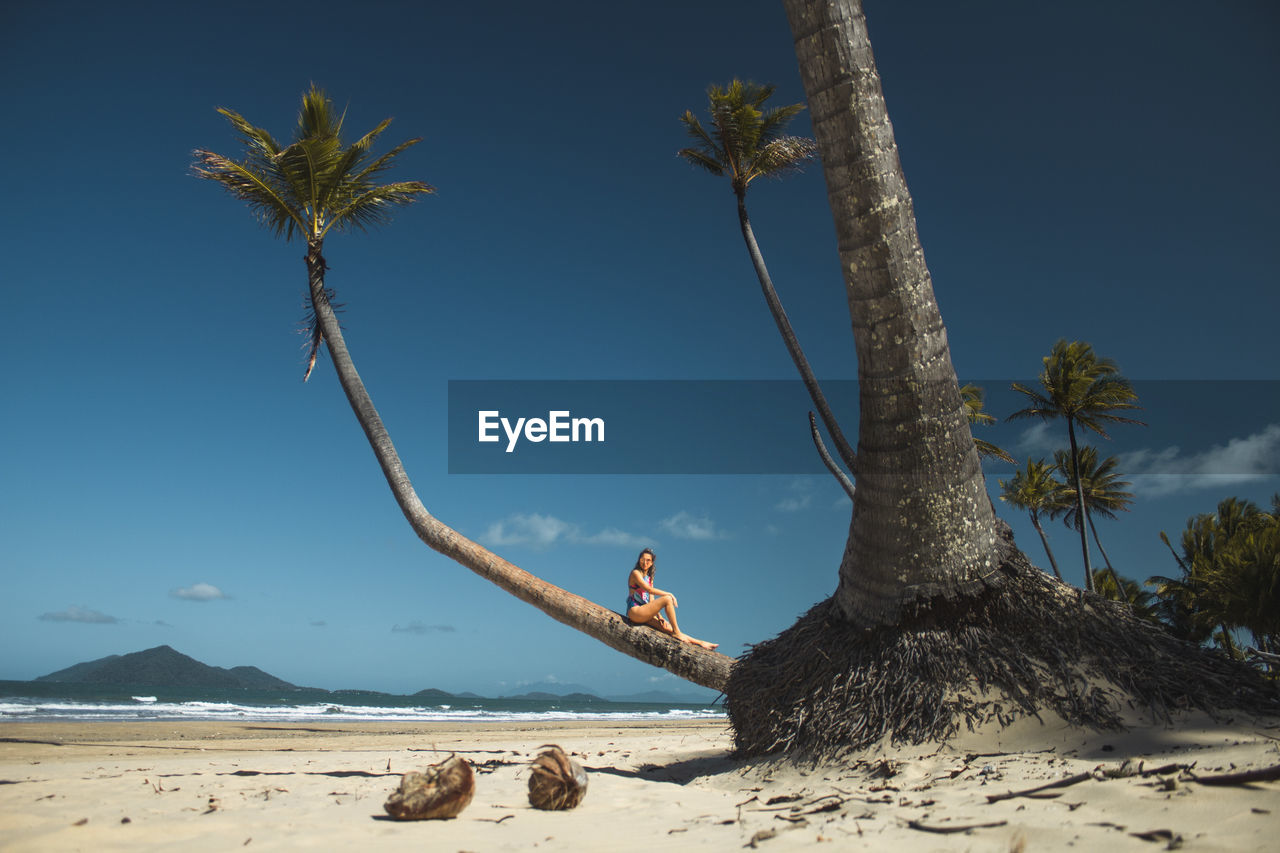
<point x="636" y="596"/>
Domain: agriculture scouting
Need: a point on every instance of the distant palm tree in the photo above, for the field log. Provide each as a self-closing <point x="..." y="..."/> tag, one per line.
<point x="1230" y="562"/>
<point x="746" y="141"/>
<point x="314" y="186"/>
<point x="1103" y="491"/>
<point x="973" y="410"/>
<point x="1128" y="591"/>
<point x="1035" y="490"/>
<point x="1080" y="387"/>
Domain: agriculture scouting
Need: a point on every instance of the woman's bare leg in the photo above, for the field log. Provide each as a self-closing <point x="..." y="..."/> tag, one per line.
<point x="647" y="614"/>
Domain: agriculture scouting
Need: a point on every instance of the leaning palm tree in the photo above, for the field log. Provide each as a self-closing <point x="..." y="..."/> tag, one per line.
<point x="1035" y="490"/>
<point x="1081" y="388"/>
<point x="973" y="410"/>
<point x="1103" y="491"/>
<point x="746" y="141"/>
<point x="317" y="185"/>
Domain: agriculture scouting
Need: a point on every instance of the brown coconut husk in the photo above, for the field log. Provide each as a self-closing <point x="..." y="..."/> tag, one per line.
<point x="556" y="780"/>
<point x="821" y="688"/>
<point x="441" y="791"/>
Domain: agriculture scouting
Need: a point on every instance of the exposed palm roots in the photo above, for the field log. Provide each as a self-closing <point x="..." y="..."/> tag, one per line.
<point x="821" y="689"/>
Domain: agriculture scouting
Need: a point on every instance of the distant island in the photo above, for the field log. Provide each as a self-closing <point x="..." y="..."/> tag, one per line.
<point x="542" y="696"/>
<point x="163" y="666"/>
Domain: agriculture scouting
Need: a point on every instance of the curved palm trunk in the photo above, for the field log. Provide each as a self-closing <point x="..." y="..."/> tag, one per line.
<point x="1035" y="520"/>
<point x="923" y="526"/>
<point x="710" y="669"/>
<point x="793" y="345"/>
<point x="1103" y="551"/>
<point x="1080" y="508"/>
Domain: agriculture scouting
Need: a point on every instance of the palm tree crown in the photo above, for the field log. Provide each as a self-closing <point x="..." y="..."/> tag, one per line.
<point x="315" y="184"/>
<point x="1035" y="490"/>
<point x="745" y="141"/>
<point x="1103" y="487"/>
<point x="1081" y="387"/>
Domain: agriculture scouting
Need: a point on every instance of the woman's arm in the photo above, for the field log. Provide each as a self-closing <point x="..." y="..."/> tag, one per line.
<point x="638" y="578"/>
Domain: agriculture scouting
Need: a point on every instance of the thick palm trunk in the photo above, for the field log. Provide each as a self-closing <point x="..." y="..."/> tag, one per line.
<point x="793" y="347"/>
<point x="710" y="669"/>
<point x="923" y="526"/>
<point x="866" y="667"/>
<point x="1035" y="520"/>
<point x="1080" y="509"/>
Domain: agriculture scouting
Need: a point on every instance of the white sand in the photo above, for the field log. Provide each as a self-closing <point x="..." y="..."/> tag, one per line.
<point x="671" y="786"/>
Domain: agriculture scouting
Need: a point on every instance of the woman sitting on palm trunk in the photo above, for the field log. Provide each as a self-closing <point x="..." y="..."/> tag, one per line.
<point x="645" y="602"/>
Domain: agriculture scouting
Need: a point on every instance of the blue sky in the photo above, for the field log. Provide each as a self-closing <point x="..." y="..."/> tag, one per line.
<point x="1099" y="173"/>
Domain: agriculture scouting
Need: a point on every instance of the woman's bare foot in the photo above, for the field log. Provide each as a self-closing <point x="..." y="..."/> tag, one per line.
<point x="694" y="641"/>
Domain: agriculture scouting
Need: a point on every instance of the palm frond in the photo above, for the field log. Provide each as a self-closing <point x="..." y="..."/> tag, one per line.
<point x="774" y="121"/>
<point x="700" y="158"/>
<point x="373" y="207"/>
<point x="316" y="118"/>
<point x="972" y="397"/>
<point x="260" y="141"/>
<point x="370" y="170"/>
<point x="260" y="191"/>
<point x="987" y="449"/>
<point x="783" y="155"/>
<point x="1041" y="406"/>
<point x="308" y="165"/>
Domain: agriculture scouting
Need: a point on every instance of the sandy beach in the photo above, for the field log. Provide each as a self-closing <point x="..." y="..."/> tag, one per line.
<point x="277" y="786"/>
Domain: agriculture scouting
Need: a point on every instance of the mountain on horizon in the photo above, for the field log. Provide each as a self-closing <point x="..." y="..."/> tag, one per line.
<point x="434" y="695"/>
<point x="558" y="689"/>
<point x="543" y="696"/>
<point x="163" y="666"/>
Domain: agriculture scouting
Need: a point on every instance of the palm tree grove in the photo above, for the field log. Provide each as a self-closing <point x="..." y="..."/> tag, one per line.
<point x="938" y="622"/>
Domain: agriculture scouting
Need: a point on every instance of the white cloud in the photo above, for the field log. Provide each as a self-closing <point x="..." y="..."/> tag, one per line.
<point x="1041" y="439"/>
<point x="79" y="614"/>
<point x="1240" y="460"/>
<point x="540" y="531"/>
<point x="543" y="531"/>
<point x="199" y="592"/>
<point x="793" y="504"/>
<point x="683" y="525"/>
<point x="801" y="495"/>
<point x="612" y="536"/>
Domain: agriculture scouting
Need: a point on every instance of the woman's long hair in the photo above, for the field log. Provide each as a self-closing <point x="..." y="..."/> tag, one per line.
<point x="652" y="566"/>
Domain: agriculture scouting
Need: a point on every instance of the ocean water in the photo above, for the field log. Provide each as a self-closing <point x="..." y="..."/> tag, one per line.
<point x="34" y="701"/>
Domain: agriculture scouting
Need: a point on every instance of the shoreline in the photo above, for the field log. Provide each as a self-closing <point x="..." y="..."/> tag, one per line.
<point x="672" y="784"/>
